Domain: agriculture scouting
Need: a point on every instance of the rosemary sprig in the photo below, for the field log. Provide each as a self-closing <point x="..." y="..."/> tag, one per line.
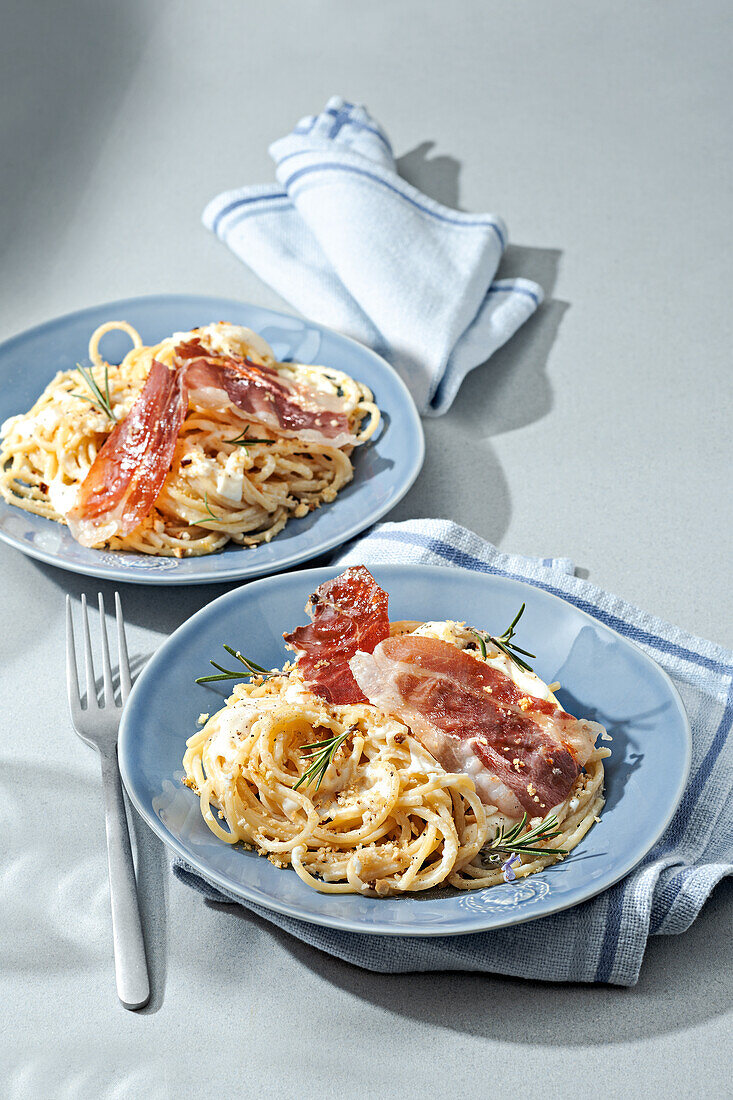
<point x="528" y="844"/>
<point x="243" y="440"/>
<point x="252" y="669"/>
<point x="101" y="401"/>
<point x="505" y="644"/>
<point x="321" y="753"/>
<point x="216" y="519"/>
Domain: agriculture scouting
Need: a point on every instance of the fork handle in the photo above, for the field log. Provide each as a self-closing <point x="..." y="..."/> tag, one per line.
<point x="131" y="971"/>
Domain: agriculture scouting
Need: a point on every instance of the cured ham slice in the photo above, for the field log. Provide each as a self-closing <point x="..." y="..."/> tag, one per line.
<point x="129" y="470"/>
<point x="349" y="613"/>
<point x="523" y="753"/>
<point x="128" y="473"/>
<point x="287" y="407"/>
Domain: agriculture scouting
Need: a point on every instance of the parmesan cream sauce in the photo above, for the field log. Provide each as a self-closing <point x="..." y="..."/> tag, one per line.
<point x="62" y="497"/>
<point x="230" y="339"/>
<point x="228" y="728"/>
<point x="25" y="425"/>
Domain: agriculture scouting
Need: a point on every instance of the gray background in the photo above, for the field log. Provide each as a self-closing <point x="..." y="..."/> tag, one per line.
<point x="601" y="132"/>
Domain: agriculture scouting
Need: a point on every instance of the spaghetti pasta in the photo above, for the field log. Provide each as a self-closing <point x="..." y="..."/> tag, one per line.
<point x="386" y="817"/>
<point x="231" y="477"/>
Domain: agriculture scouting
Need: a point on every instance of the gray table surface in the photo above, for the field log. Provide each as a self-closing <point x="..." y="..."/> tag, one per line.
<point x="601" y="133"/>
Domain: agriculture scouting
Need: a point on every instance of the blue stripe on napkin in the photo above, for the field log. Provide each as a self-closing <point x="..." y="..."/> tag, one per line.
<point x="351" y="244"/>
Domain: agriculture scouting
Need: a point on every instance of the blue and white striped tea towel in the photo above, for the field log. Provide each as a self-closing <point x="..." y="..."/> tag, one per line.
<point x="353" y="246"/>
<point x="604" y="939"/>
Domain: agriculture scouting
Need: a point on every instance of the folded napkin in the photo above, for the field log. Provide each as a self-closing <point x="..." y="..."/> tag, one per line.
<point x="602" y="940"/>
<point x="353" y="246"/>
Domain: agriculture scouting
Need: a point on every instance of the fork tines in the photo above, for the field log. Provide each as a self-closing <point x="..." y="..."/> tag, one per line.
<point x="108" y="696"/>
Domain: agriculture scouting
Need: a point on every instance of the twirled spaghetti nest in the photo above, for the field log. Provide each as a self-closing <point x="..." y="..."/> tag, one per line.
<point x="386" y="818"/>
<point x="217" y="490"/>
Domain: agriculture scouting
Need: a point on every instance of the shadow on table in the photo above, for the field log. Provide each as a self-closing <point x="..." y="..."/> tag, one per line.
<point x="75" y="69"/>
<point x="506" y="393"/>
<point x="437" y="176"/>
<point x="153" y="876"/>
<point x="462" y="478"/>
<point x="152" y="607"/>
<point x="59" y="918"/>
<point x="667" y="997"/>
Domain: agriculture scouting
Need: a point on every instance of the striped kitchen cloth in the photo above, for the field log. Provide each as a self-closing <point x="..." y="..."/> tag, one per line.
<point x="354" y="246"/>
<point x="604" y="939"/>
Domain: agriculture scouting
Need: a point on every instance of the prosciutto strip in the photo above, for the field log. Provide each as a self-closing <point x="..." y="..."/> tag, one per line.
<point x="259" y="391"/>
<point x="349" y="613"/>
<point x="128" y="473"/>
<point x="523" y="753"/>
<point x="130" y="468"/>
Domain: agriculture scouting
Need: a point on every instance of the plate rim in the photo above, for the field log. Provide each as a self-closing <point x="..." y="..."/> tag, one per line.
<point x="127" y="574"/>
<point x="477" y="922"/>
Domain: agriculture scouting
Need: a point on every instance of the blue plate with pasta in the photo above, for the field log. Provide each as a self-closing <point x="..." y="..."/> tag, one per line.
<point x="366" y="824"/>
<point x="180" y="439"/>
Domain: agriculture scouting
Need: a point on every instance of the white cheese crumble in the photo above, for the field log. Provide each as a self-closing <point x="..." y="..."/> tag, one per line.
<point x="230" y="479"/>
<point x="200" y="465"/>
<point x="61" y="496"/>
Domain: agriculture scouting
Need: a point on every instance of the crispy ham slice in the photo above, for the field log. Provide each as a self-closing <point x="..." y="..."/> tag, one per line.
<point x="349" y="613"/>
<point x="130" y="468"/>
<point x="523" y="753"/>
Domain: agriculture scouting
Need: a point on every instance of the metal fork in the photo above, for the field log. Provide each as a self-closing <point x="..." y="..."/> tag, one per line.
<point x="97" y="724"/>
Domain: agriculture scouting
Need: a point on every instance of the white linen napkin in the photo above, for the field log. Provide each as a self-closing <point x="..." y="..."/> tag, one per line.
<point x="353" y="246"/>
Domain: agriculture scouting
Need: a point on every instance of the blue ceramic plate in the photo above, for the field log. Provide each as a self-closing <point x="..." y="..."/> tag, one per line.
<point x="385" y="468"/>
<point x="604" y="677"/>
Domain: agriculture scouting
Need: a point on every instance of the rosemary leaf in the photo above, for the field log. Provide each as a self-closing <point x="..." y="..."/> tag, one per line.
<point x="251" y="669"/>
<point x="216" y="519"/>
<point x="251" y="666"/>
<point x="527" y="844"/>
<point x="321" y="753"/>
<point x="510" y="629"/>
<point x="101" y="401"/>
<point x="243" y="440"/>
<point x="106" y="388"/>
<point x="214" y="679"/>
<point x="505" y="644"/>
